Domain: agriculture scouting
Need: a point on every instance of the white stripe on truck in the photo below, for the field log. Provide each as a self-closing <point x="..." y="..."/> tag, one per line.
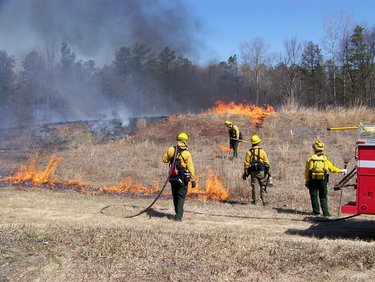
<point x="366" y="164"/>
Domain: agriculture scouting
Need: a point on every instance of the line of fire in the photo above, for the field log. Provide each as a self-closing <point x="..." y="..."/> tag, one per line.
<point x="213" y="189"/>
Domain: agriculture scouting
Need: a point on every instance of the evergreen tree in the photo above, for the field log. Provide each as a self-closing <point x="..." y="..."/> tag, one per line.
<point x="313" y="81"/>
<point x="7" y="77"/>
<point x="358" y="65"/>
<point x="33" y="84"/>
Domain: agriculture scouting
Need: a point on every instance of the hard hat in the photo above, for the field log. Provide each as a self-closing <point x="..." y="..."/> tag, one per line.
<point x="182" y="136"/>
<point x="255" y="139"/>
<point x="318" y="145"/>
<point x="227" y="123"/>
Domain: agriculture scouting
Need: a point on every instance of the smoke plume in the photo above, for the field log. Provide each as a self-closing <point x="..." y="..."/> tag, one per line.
<point x="94" y="30"/>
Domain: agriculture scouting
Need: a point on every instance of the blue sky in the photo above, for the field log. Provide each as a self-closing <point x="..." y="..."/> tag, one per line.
<point x="227" y="23"/>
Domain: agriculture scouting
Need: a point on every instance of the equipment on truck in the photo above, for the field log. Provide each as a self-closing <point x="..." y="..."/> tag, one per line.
<point x="364" y="171"/>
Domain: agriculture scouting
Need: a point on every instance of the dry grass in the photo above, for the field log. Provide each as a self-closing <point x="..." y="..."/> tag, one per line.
<point x="51" y="235"/>
<point x="69" y="240"/>
<point x="118" y="254"/>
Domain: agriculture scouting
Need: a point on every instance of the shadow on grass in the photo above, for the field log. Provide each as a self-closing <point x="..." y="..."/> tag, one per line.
<point x="339" y="229"/>
<point x="291" y="211"/>
<point x="235" y="202"/>
<point x="154" y="213"/>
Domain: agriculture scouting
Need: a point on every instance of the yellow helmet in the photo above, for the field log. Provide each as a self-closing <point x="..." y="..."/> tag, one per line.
<point x="182" y="136"/>
<point x="318" y="145"/>
<point x="227" y="123"/>
<point x="255" y="139"/>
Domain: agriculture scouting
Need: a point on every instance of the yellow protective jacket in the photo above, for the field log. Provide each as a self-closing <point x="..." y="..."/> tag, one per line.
<point x="249" y="157"/>
<point x="330" y="166"/>
<point x="186" y="159"/>
<point x="234" y="132"/>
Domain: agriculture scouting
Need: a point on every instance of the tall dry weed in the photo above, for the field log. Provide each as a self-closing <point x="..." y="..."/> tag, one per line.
<point x="287" y="138"/>
<point x="141" y="123"/>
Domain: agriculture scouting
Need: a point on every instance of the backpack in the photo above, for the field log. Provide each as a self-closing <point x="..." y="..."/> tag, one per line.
<point x="256" y="164"/>
<point x="178" y="172"/>
<point x="177" y="168"/>
<point x="318" y="167"/>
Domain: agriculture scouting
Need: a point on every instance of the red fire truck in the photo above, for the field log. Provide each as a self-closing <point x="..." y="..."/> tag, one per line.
<point x="365" y="172"/>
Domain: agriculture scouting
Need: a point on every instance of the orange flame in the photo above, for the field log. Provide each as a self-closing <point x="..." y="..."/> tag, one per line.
<point x="214" y="189"/>
<point x="127" y="186"/>
<point x="76" y="182"/>
<point x="29" y="173"/>
<point x="256" y="114"/>
<point x="224" y="148"/>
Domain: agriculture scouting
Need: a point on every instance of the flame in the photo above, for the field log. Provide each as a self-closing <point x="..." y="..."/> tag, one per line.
<point x="257" y="114"/>
<point x="29" y="173"/>
<point x="45" y="176"/>
<point x="127" y="186"/>
<point x="76" y="182"/>
<point x="224" y="148"/>
<point x="214" y="189"/>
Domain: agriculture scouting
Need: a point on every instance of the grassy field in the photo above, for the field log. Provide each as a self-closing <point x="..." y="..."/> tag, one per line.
<point x="53" y="233"/>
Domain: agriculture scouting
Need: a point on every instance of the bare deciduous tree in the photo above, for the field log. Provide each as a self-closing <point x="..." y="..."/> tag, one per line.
<point x="255" y="59"/>
<point x="288" y="70"/>
<point x="336" y="28"/>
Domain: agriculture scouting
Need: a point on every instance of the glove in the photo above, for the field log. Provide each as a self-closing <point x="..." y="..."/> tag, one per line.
<point x="344" y="170"/>
<point x="307" y="184"/>
<point x="244" y="176"/>
<point x="193" y="184"/>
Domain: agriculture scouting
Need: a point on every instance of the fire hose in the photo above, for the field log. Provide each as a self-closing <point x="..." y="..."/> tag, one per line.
<point x="342" y="183"/>
<point x="338" y="219"/>
<point x="339" y="186"/>
<point x="157" y="197"/>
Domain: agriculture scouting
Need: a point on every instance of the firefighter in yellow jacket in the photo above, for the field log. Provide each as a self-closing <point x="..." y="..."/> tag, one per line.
<point x="181" y="172"/>
<point x="257" y="167"/>
<point x="234" y="137"/>
<point x="316" y="176"/>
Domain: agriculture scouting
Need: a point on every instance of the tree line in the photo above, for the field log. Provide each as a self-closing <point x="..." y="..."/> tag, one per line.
<point x="53" y="83"/>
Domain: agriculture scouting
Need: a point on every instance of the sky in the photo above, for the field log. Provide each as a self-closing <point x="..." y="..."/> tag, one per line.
<point x="202" y="30"/>
<point x="229" y="23"/>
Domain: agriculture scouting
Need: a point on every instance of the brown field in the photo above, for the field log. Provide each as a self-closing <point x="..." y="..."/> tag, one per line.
<point x="52" y="233"/>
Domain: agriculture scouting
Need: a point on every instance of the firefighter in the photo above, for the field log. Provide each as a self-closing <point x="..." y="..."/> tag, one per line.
<point x="234" y="137"/>
<point x="316" y="176"/>
<point x="181" y="173"/>
<point x="257" y="167"/>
